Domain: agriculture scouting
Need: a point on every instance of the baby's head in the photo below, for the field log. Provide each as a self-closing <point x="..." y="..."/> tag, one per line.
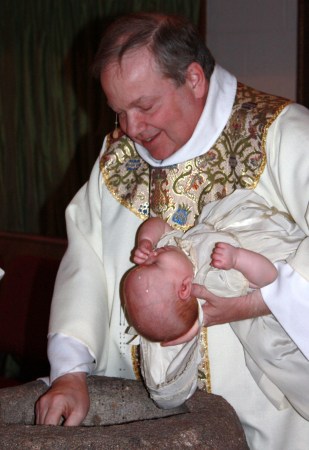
<point x="157" y="295"/>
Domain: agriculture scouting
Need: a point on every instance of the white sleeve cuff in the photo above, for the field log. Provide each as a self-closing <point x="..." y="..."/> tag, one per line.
<point x="288" y="300"/>
<point x="67" y="355"/>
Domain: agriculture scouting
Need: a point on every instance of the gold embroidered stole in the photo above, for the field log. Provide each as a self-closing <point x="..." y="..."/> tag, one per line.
<point x="178" y="193"/>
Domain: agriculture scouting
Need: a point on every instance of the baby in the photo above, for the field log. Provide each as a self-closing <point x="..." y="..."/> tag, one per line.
<point x="157" y="293"/>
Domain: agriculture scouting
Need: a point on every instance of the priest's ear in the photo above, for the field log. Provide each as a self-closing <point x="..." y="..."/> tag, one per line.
<point x="184" y="292"/>
<point x="196" y="79"/>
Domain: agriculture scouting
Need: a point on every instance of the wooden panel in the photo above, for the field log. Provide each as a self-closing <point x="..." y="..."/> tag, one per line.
<point x="303" y="53"/>
<point x="16" y="244"/>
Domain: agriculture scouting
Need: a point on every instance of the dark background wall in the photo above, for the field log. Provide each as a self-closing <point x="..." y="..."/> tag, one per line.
<point x="303" y="53"/>
<point x="53" y="116"/>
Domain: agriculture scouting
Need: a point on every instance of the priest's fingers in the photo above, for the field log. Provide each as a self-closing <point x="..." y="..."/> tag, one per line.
<point x="67" y="399"/>
<point x="199" y="291"/>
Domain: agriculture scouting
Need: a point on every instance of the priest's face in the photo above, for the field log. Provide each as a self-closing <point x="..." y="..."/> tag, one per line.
<point x="152" y="110"/>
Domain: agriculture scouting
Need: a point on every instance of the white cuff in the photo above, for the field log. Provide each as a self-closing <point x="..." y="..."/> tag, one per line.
<point x="67" y="355"/>
<point x="288" y="300"/>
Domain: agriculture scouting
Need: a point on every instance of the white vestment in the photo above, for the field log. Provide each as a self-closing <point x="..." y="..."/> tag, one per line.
<point x="86" y="309"/>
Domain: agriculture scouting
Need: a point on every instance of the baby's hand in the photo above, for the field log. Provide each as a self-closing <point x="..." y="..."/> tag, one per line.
<point x="142" y="252"/>
<point x="223" y="256"/>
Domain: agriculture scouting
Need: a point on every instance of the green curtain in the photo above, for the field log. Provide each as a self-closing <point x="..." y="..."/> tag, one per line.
<point x="52" y="113"/>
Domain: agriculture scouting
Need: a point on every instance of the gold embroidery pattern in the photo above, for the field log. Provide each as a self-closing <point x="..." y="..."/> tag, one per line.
<point x="126" y="175"/>
<point x="237" y="160"/>
<point x="204" y="380"/>
<point x="178" y="193"/>
<point x="135" y="356"/>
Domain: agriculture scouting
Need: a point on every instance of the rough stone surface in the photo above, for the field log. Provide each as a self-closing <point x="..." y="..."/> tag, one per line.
<point x="112" y="401"/>
<point x="121" y="417"/>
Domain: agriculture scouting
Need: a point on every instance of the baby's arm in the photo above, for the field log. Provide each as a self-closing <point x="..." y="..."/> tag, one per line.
<point x="148" y="236"/>
<point x="258" y="270"/>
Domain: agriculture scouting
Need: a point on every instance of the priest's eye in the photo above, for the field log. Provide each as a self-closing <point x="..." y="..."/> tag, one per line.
<point x="146" y="108"/>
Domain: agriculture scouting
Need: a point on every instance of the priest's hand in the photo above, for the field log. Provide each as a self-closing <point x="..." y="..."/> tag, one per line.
<point x="219" y="310"/>
<point x="66" y="401"/>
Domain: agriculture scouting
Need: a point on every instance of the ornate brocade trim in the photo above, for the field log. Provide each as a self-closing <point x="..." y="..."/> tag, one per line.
<point x="126" y="175"/>
<point x="237" y="160"/>
<point x="135" y="357"/>
<point x="178" y="193"/>
<point x="204" y="378"/>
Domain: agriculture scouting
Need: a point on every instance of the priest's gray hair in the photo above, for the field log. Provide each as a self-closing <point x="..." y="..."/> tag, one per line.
<point x="173" y="40"/>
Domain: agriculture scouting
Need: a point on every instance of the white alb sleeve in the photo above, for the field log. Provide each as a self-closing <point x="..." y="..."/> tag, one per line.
<point x="280" y="297"/>
<point x="67" y="355"/>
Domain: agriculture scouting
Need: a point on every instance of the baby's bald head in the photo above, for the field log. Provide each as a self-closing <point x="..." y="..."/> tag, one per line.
<point x="154" y="309"/>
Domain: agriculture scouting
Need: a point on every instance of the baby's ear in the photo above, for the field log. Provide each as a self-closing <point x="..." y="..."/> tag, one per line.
<point x="184" y="292"/>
